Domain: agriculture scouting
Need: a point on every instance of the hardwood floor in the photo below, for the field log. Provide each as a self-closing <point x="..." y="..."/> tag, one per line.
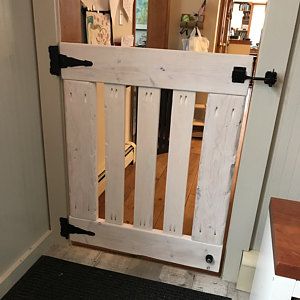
<point x="160" y="188"/>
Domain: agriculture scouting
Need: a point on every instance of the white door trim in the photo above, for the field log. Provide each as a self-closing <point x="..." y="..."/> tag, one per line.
<point x="12" y="275"/>
<point x="46" y="33"/>
<point x="274" y="53"/>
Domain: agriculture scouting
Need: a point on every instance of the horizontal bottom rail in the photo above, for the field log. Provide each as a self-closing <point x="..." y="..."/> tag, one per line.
<point x="153" y="243"/>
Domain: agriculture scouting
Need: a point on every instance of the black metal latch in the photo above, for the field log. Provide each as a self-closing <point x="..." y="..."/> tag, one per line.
<point x="239" y="75"/>
<point x="59" y="61"/>
<point x="66" y="229"/>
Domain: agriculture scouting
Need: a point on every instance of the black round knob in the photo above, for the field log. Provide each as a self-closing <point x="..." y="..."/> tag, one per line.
<point x="209" y="259"/>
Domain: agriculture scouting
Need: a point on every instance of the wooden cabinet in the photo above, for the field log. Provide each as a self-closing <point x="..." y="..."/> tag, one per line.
<point x="277" y="275"/>
<point x="239" y="47"/>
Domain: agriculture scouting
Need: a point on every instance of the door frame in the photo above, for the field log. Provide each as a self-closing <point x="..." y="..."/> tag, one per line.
<point x="46" y="32"/>
<point x="158" y="23"/>
<point x="222" y="27"/>
<point x="259" y="131"/>
<point x="253" y="165"/>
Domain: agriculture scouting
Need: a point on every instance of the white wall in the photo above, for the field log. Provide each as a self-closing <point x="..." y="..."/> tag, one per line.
<point x="283" y="177"/>
<point x="23" y="197"/>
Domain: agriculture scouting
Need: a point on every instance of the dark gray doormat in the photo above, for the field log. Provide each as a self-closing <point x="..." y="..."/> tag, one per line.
<point x="51" y="278"/>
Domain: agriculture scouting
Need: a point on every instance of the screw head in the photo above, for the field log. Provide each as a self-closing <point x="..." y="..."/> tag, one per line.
<point x="209" y="259"/>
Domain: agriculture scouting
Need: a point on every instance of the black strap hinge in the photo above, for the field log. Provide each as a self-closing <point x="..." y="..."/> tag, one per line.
<point x="66" y="229"/>
<point x="239" y="75"/>
<point x="59" y="61"/>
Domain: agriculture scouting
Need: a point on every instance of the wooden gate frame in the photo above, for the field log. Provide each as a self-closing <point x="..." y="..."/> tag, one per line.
<point x="50" y="94"/>
<point x="151" y="69"/>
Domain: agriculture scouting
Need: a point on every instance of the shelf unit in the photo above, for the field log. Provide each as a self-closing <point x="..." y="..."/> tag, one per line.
<point x="198" y="123"/>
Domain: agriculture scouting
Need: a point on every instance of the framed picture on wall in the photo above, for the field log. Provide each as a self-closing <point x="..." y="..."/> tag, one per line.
<point x="99" y="28"/>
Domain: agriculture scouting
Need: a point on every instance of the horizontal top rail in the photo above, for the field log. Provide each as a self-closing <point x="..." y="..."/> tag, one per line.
<point x="169" y="69"/>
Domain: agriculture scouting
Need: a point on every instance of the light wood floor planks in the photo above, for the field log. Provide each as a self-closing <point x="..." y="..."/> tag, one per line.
<point x="160" y="189"/>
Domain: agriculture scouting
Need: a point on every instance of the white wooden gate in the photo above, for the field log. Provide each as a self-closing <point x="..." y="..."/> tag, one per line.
<point x="150" y="69"/>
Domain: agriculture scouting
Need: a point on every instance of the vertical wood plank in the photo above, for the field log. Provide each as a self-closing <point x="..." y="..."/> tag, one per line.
<point x="114" y="152"/>
<point x="81" y="131"/>
<point x="178" y="161"/>
<point x="147" y="135"/>
<point x="224" y="114"/>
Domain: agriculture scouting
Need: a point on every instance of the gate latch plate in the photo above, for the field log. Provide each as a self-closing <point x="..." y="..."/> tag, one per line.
<point x="239" y="75"/>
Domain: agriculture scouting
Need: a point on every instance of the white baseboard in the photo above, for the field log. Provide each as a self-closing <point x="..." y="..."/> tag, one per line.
<point x="247" y="271"/>
<point x="24" y="262"/>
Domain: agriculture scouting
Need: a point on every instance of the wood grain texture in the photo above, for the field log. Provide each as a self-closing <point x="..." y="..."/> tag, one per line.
<point x="285" y="228"/>
<point x="189" y="214"/>
<point x="221" y="136"/>
<point x="114" y="152"/>
<point x="158" y="24"/>
<point x="70" y="21"/>
<point x="81" y="128"/>
<point x="178" y="161"/>
<point x="147" y="135"/>
<point x="161" y="175"/>
<point x="169" y="69"/>
<point x="154" y="244"/>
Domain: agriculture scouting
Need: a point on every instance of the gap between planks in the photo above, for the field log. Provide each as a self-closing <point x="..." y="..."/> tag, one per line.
<point x="160" y="188"/>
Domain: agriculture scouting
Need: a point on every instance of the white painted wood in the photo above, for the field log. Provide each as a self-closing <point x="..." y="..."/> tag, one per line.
<point x="296" y="292"/>
<point x="266" y="285"/>
<point x="247" y="271"/>
<point x="178" y="160"/>
<point x="282" y="12"/>
<point x="147" y="135"/>
<point x="114" y="152"/>
<point x="223" y="121"/>
<point x="101" y="124"/>
<point x="180" y="70"/>
<point x="24" y="262"/>
<point x="47" y="33"/>
<point x="154" y="244"/>
<point x="49" y="100"/>
<point x="260" y="128"/>
<point x="81" y="132"/>
<point x="24" y="212"/>
<point x="284" y="170"/>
